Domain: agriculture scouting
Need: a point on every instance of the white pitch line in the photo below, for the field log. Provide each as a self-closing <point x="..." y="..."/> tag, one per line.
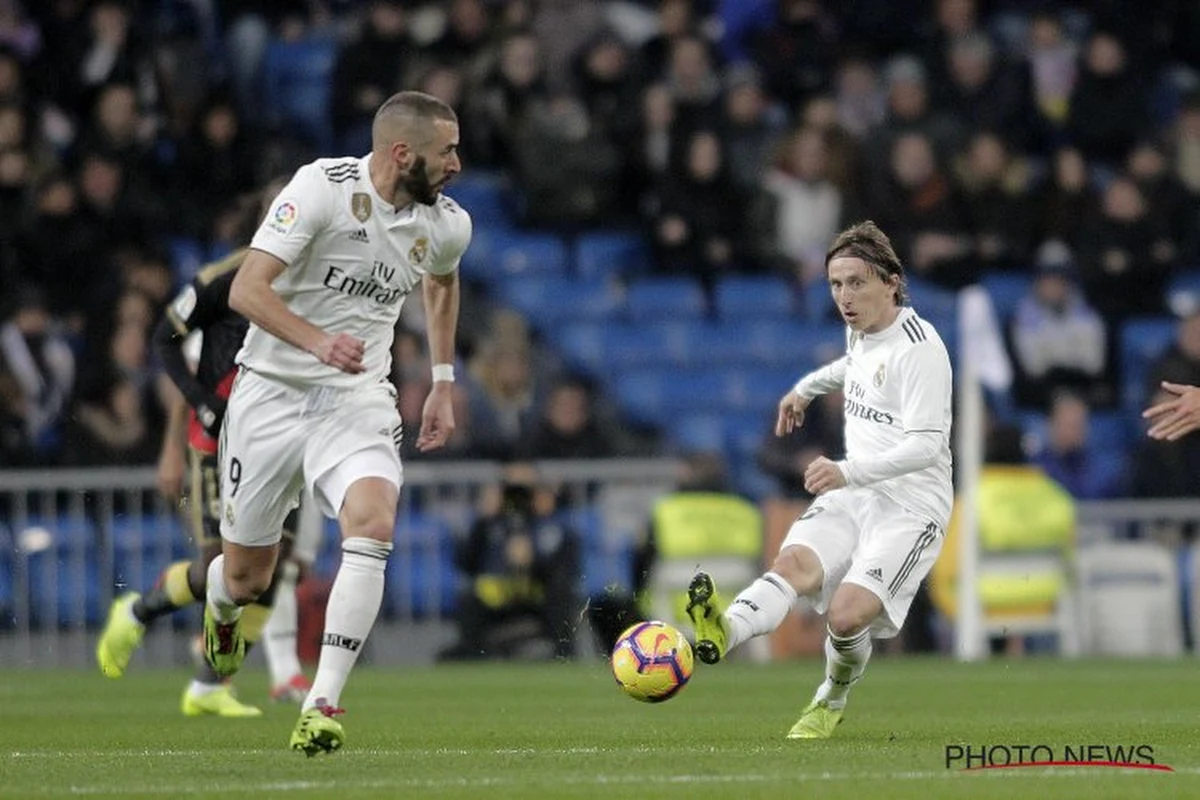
<point x="587" y="780"/>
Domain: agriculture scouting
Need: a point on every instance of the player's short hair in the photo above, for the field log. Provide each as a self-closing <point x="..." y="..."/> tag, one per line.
<point x="867" y="242"/>
<point x="409" y="110"/>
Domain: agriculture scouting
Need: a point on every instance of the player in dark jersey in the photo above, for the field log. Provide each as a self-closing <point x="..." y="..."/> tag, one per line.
<point x="202" y="306"/>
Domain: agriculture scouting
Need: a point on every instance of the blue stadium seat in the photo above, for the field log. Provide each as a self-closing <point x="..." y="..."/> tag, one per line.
<point x="930" y="299"/>
<point x="422" y="579"/>
<point x="755" y="297"/>
<point x="581" y="345"/>
<point x="604" y="567"/>
<point x="825" y="343"/>
<point x="552" y="301"/>
<point x="643" y="395"/>
<point x="1183" y="292"/>
<point x="59" y="558"/>
<point x="604" y="254"/>
<point x="1108" y="431"/>
<point x="665" y="299"/>
<point x="504" y="253"/>
<point x="143" y="546"/>
<point x="187" y="256"/>
<point x="747" y="431"/>
<point x="1141" y="342"/>
<point x="756" y="389"/>
<point x="297" y="80"/>
<point x="699" y="432"/>
<point x="1006" y="290"/>
<point x="7" y="598"/>
<point x="486" y="197"/>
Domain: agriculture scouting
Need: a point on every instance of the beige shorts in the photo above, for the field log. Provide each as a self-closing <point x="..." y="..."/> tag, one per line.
<point x="278" y="440"/>
<point x="862" y="536"/>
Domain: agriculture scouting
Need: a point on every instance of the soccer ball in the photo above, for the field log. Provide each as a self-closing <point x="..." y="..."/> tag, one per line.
<point x="652" y="661"/>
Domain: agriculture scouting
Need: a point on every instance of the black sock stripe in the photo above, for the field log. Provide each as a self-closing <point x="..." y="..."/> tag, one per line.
<point x="784" y="590"/>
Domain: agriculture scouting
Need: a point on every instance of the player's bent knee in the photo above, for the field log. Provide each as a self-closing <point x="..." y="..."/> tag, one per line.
<point x="852" y="610"/>
<point x="800" y="567"/>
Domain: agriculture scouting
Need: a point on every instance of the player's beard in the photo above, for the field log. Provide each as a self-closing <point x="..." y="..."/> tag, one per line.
<point x="416" y="183"/>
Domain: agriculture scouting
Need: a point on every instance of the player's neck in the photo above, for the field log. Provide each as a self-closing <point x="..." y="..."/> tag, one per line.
<point x="886" y="320"/>
<point x="386" y="180"/>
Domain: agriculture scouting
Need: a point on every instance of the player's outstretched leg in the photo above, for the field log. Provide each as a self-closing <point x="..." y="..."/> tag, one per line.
<point x="121" y="637"/>
<point x="132" y="612"/>
<point x="216" y="698"/>
<point x="845" y="660"/>
<point x="317" y="731"/>
<point x="707" y="612"/>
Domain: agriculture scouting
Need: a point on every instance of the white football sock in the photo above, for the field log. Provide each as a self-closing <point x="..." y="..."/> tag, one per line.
<point x="845" y="660"/>
<point x="759" y="609"/>
<point x="279" y="634"/>
<point x="353" y="605"/>
<point x="219" y="599"/>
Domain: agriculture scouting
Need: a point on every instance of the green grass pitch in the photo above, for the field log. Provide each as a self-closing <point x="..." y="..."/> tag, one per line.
<point x="565" y="731"/>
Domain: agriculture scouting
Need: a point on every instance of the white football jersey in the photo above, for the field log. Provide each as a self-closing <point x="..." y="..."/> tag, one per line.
<point x="896" y="383"/>
<point x="352" y="259"/>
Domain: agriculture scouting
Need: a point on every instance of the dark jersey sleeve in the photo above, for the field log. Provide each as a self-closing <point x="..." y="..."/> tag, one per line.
<point x="195" y="308"/>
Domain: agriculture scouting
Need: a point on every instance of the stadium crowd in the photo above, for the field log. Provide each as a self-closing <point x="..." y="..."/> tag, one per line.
<point x="1058" y="141"/>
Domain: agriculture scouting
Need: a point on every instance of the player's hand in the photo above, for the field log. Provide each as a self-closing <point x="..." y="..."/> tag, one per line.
<point x="437" y="417"/>
<point x="1177" y="416"/>
<point x="210" y="415"/>
<point x="341" y="351"/>
<point x="791" y="413"/>
<point x="823" y="476"/>
<point x="170" y="474"/>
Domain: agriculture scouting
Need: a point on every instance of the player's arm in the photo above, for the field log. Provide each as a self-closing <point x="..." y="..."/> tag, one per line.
<point x="440" y="291"/>
<point x="171" y="460"/>
<point x="297" y="214"/>
<point x="1177" y="415"/>
<point x="192" y="309"/>
<point x="924" y="396"/>
<point x="829" y="378"/>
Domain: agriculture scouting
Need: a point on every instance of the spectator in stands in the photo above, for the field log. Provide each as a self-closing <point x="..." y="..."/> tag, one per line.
<point x="785" y="458"/>
<point x="676" y="19"/>
<point x="654" y="146"/>
<point x="926" y="216"/>
<point x="606" y="84"/>
<point x="18" y="32"/>
<point x="994" y="188"/>
<point x="695" y="86"/>
<point x="1108" y="107"/>
<point x="1058" y="339"/>
<point x="40" y="362"/>
<point x="1066" y="201"/>
<point x="1180" y="363"/>
<point x="465" y="36"/>
<point x="412" y="378"/>
<point x="989" y="94"/>
<point x="569" y="427"/>
<point x="1167" y="201"/>
<point x="861" y="101"/>
<point x="1072" y="460"/>
<point x="694" y="229"/>
<point x="751" y="127"/>
<point x="16" y="447"/>
<point x="797" y="51"/>
<point x="908" y="111"/>
<point x="808" y="207"/>
<point x="1125" y="257"/>
<point x="503" y="397"/>
<point x="1185" y="144"/>
<point x="563" y="29"/>
<point x="502" y="104"/>
<point x="522" y="566"/>
<point x="1053" y="66"/>
<point x="566" y="167"/>
<point x="370" y="67"/>
<point x="217" y="160"/>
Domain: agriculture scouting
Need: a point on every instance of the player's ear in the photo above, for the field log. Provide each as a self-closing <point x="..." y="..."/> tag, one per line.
<point x="402" y="155"/>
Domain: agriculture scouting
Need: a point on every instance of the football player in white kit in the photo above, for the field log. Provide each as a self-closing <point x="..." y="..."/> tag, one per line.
<point x="863" y="547"/>
<point x="312" y="407"/>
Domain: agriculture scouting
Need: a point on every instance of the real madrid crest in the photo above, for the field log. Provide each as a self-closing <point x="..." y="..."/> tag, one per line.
<point x="879" y="377"/>
<point x="360" y="206"/>
<point x="418" y="252"/>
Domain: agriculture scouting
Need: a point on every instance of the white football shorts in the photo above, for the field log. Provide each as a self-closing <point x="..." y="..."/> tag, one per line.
<point x="278" y="440"/>
<point x="864" y="537"/>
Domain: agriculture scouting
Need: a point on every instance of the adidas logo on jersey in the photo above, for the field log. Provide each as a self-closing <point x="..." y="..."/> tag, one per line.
<point x="360" y="235"/>
<point x="875" y="573"/>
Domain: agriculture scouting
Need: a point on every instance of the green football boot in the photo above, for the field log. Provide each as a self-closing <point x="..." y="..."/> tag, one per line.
<point x="220" y="702"/>
<point x="707" y="611"/>
<point x="224" y="647"/>
<point x="318" y="732"/>
<point x="817" y="721"/>
<point x="122" y="635"/>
